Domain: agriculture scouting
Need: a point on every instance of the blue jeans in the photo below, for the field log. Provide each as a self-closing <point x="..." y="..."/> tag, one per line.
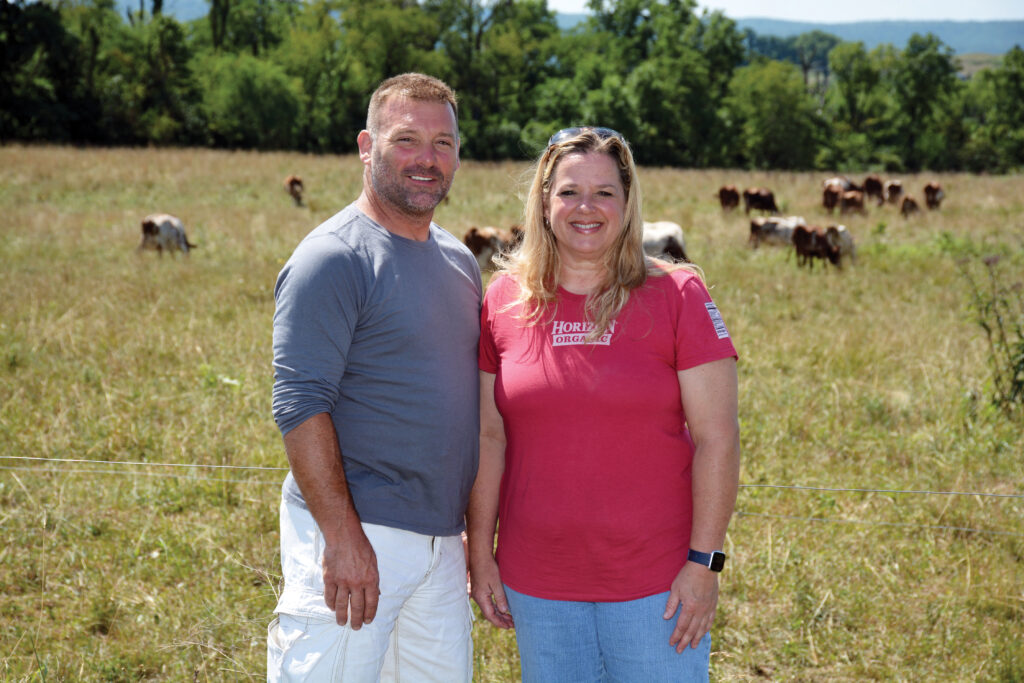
<point x="601" y="642"/>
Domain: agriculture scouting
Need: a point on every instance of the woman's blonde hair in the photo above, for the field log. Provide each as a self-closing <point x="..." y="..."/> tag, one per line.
<point x="535" y="263"/>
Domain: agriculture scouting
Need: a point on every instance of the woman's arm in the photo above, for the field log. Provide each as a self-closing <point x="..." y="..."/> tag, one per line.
<point x="709" y="395"/>
<point x="482" y="515"/>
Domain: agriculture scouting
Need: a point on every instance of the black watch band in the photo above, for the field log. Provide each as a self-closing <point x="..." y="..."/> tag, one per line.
<point x="714" y="560"/>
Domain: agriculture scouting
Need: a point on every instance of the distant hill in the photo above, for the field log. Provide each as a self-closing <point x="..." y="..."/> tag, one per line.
<point x="987" y="37"/>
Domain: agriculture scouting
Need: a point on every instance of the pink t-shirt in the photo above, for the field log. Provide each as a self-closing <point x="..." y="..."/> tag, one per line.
<point x="596" y="496"/>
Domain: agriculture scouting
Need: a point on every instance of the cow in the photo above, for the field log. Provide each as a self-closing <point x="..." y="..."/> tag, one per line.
<point x="908" y="206"/>
<point x="161" y="231"/>
<point x="893" y="191"/>
<point x="775" y="230"/>
<point x="830" y="197"/>
<point x="728" y="197"/>
<point x="851" y="201"/>
<point x="841" y="182"/>
<point x="810" y="242"/>
<point x="487" y="242"/>
<point x="293" y="186"/>
<point x="873" y="188"/>
<point x="760" y="199"/>
<point x="933" y="195"/>
<point x="664" y="239"/>
<point x="839" y="237"/>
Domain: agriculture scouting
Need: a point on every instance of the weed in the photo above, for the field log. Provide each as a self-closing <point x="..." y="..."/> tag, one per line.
<point x="999" y="310"/>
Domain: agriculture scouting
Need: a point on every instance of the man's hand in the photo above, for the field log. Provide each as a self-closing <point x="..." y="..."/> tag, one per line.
<point x="351" y="581"/>
<point x="694" y="593"/>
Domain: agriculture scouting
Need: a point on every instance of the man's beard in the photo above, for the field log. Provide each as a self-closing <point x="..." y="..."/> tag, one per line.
<point x="387" y="183"/>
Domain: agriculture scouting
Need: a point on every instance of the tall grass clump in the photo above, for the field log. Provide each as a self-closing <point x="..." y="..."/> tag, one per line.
<point x="998" y="302"/>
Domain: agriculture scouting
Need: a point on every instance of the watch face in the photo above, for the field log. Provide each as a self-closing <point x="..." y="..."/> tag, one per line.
<point x="717" y="561"/>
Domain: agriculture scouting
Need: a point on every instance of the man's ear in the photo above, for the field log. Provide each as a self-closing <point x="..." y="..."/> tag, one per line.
<point x="365" y="142"/>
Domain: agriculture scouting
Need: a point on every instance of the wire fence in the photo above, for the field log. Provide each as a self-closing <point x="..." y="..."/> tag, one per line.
<point x="124" y="468"/>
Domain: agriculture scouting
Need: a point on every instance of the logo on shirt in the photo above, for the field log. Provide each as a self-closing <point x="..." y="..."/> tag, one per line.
<point x="564" y="333"/>
<point x="716" y="320"/>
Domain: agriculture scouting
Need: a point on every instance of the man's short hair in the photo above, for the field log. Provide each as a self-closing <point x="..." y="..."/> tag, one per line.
<point x="415" y="86"/>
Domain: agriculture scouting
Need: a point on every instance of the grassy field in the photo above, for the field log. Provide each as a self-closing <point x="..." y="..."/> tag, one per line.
<point x="875" y="378"/>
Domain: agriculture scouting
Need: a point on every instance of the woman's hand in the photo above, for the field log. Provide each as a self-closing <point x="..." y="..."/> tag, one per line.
<point x="694" y="594"/>
<point x="486" y="589"/>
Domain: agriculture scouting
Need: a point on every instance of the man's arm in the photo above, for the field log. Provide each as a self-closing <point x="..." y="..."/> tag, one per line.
<point x="351" y="581"/>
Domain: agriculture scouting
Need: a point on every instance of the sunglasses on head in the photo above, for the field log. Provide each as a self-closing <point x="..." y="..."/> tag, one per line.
<point x="567" y="133"/>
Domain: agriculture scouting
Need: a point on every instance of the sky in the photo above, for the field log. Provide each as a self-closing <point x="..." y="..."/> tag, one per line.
<point x="826" y="11"/>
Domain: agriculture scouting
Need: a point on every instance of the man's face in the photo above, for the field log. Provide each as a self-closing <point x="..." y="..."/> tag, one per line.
<point x="415" y="154"/>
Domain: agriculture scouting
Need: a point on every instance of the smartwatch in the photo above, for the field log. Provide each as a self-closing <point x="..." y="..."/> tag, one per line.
<point x="714" y="560"/>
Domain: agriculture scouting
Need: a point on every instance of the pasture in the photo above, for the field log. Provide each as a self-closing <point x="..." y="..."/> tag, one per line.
<point x="867" y="387"/>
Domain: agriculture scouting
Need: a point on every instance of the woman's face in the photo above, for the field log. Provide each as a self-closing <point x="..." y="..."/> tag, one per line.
<point x="586" y="206"/>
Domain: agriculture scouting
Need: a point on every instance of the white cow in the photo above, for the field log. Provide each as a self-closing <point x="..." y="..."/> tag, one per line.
<point x="664" y="239"/>
<point x="161" y="231"/>
<point x="776" y="230"/>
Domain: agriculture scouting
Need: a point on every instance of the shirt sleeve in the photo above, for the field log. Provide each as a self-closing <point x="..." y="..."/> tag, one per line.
<point x="317" y="297"/>
<point x="488" y="359"/>
<point x="701" y="334"/>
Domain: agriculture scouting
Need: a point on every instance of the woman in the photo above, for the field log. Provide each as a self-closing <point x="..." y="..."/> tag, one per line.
<point x="609" y="442"/>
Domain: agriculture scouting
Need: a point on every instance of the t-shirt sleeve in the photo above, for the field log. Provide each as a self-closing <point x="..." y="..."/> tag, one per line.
<point x="701" y="334"/>
<point x="317" y="307"/>
<point x="487" y="358"/>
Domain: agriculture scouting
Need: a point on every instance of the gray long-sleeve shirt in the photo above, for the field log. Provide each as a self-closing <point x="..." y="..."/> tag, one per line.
<point x="381" y="332"/>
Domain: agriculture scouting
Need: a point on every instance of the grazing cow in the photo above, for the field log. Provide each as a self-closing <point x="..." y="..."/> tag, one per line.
<point x="664" y="239"/>
<point x="841" y="182"/>
<point x="830" y="197"/>
<point x="293" y="186"/>
<point x="728" y="197"/>
<point x="810" y="242"/>
<point x="908" y="206"/>
<point x="893" y="191"/>
<point x="161" y="231"/>
<point x="840" y="238"/>
<point x="775" y="230"/>
<point x="873" y="188"/>
<point x="487" y="242"/>
<point x="852" y="201"/>
<point x="760" y="199"/>
<point x="933" y="195"/>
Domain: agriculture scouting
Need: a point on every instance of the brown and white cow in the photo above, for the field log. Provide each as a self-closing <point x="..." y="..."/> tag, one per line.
<point x="163" y="232"/>
<point x="908" y="206"/>
<point x="810" y="242"/>
<point x="830" y="197"/>
<point x="488" y="242"/>
<point x="851" y="201"/>
<point x="773" y="231"/>
<point x="933" y="195"/>
<point x="664" y="239"/>
<point x="728" y="197"/>
<point x="760" y="199"/>
<point x="893" y="191"/>
<point x="293" y="186"/>
<point x="839" y="237"/>
<point x="873" y="188"/>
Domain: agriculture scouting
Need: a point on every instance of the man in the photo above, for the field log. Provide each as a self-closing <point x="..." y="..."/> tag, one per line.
<point x="376" y="395"/>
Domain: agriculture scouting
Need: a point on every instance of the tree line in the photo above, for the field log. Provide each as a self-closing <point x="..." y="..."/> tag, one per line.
<point x="686" y="88"/>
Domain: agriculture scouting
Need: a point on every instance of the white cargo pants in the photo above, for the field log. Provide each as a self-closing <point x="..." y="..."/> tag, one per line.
<point x="423" y="627"/>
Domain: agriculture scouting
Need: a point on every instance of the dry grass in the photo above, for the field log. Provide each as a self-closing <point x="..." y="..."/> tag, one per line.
<point x="870" y="378"/>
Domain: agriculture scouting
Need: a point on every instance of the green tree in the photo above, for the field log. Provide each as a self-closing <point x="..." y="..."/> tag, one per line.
<point x="774" y="118"/>
<point x="40" y="78"/>
<point x="924" y="75"/>
<point x="249" y="102"/>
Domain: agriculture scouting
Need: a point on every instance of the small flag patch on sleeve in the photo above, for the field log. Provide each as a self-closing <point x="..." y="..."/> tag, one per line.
<point x="716" y="320"/>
